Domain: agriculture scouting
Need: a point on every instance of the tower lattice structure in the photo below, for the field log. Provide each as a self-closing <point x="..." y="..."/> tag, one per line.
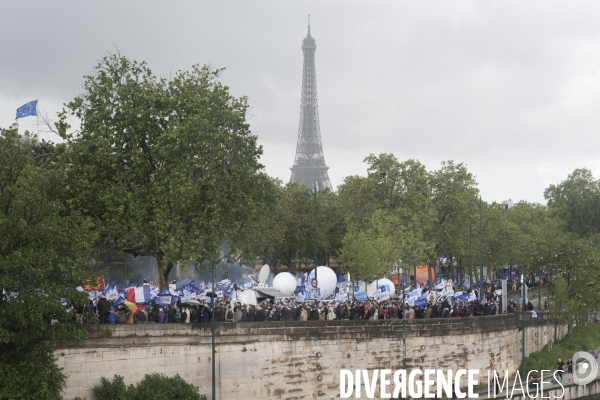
<point x="309" y="164"/>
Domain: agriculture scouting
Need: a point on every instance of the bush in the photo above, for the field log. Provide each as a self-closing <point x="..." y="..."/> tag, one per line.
<point x="115" y="390"/>
<point x="152" y="387"/>
<point x="160" y="387"/>
<point x="29" y="373"/>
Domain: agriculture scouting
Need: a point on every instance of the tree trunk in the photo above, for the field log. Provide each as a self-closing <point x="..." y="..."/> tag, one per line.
<point x="570" y="325"/>
<point x="161" y="276"/>
<point x="163" y="271"/>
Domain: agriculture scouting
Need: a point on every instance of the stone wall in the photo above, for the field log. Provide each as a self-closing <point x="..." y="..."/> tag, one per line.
<point x="295" y="360"/>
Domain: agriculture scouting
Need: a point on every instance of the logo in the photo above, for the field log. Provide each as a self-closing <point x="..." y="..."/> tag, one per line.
<point x="585" y="368"/>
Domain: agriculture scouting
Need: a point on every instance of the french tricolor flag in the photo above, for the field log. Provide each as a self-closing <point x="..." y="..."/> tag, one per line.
<point x="139" y="294"/>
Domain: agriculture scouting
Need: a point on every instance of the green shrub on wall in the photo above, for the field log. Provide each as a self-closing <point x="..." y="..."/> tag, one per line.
<point x="152" y="387"/>
<point x="116" y="390"/>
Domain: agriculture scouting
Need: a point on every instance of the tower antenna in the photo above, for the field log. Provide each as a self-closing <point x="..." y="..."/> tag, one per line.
<point x="309" y="24"/>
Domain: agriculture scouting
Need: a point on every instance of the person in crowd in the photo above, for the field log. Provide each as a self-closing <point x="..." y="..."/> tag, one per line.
<point x="410" y="313"/>
<point x="122" y="315"/>
<point x="314" y="313"/>
<point x="303" y="314"/>
<point x="251" y="313"/>
<point x="170" y="314"/>
<point x="112" y="318"/>
<point x="260" y="314"/>
<point x="161" y="316"/>
<point x="229" y="314"/>
<point x="103" y="308"/>
<point x="237" y="314"/>
<point x="183" y="314"/>
<point x="141" y="317"/>
<point x="204" y="314"/>
<point x="244" y="310"/>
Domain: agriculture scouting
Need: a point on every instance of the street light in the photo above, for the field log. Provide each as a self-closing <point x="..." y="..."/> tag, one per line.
<point x="556" y="269"/>
<point x="480" y="205"/>
<point x="313" y="193"/>
<point x="470" y="256"/>
<point x="523" y="291"/>
<point x="213" y="264"/>
<point x="523" y="325"/>
<point x="500" y="240"/>
<point x="413" y="256"/>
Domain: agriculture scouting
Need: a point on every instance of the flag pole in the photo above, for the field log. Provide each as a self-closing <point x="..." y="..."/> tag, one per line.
<point x="37" y="118"/>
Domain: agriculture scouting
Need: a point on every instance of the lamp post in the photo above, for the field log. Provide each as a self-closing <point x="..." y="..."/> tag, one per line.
<point x="313" y="193"/>
<point x="523" y="326"/>
<point x="213" y="264"/>
<point x="470" y="256"/>
<point x="556" y="268"/>
<point x="413" y="256"/>
<point x="523" y="292"/>
<point x="539" y="278"/>
<point x="480" y="205"/>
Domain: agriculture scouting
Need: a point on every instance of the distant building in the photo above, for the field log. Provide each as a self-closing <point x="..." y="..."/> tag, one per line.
<point x="506" y="204"/>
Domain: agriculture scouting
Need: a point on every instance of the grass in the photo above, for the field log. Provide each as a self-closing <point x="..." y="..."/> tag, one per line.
<point x="585" y="338"/>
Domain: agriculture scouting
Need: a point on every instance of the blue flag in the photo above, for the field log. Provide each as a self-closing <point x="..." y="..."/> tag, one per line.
<point x="27" y="109"/>
<point x="361" y="296"/>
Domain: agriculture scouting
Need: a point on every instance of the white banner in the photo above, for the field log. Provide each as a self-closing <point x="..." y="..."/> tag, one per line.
<point x="381" y="297"/>
<point x="112" y="294"/>
<point x="341" y="297"/>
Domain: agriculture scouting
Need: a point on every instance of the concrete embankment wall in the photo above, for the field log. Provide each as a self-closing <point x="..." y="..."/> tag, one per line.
<point x="295" y="360"/>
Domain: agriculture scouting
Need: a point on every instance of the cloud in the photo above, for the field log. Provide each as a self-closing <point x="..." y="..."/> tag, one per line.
<point x="510" y="88"/>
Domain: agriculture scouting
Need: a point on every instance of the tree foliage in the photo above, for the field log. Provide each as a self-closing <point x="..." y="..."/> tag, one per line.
<point x="43" y="255"/>
<point x="152" y="387"/>
<point x="166" y="167"/>
<point x="577" y="201"/>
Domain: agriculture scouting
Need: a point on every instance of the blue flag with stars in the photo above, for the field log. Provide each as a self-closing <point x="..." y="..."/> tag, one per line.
<point x="27" y="109"/>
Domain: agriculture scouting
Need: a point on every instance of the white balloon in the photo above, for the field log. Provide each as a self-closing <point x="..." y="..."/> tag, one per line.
<point x="373" y="286"/>
<point x="327" y="280"/>
<point x="285" y="283"/>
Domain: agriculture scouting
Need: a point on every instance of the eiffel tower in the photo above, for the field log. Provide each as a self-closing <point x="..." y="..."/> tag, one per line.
<point x="309" y="164"/>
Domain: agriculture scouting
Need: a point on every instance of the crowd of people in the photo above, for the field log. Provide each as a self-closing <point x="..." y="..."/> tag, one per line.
<point x="104" y="312"/>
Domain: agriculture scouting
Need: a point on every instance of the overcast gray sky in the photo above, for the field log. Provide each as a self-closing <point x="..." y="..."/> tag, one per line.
<point x="510" y="88"/>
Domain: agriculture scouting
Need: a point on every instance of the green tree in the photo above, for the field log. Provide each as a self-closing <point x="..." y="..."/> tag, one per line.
<point x="453" y="186"/>
<point x="43" y="254"/>
<point x="577" y="201"/>
<point x="167" y="168"/>
<point x="371" y="253"/>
